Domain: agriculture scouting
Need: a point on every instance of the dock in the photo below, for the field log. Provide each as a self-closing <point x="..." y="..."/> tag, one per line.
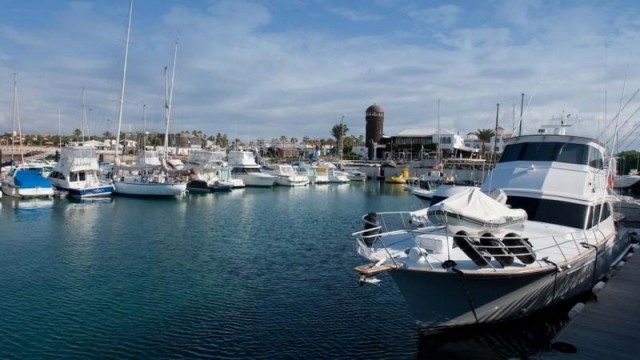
<point x="608" y="328"/>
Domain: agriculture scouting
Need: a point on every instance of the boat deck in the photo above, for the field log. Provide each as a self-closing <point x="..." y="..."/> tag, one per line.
<point x="608" y="328"/>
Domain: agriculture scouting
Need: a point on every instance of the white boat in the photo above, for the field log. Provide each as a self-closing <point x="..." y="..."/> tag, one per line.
<point x="356" y="176"/>
<point x="286" y="175"/>
<point x="317" y="174"/>
<point x="477" y="259"/>
<point x="337" y="176"/>
<point x="76" y="173"/>
<point x="628" y="183"/>
<point x="206" y="169"/>
<point x="25" y="181"/>
<point x="243" y="166"/>
<point x="332" y="174"/>
<point x="147" y="178"/>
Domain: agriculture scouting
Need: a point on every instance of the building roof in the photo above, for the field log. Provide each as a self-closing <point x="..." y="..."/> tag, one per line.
<point x="423" y="132"/>
<point x="375" y="108"/>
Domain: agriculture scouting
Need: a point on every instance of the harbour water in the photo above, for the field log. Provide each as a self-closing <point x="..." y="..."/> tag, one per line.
<point x="254" y="273"/>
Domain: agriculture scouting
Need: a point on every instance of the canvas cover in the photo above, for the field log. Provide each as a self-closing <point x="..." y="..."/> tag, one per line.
<point x="472" y="204"/>
<point x="28" y="179"/>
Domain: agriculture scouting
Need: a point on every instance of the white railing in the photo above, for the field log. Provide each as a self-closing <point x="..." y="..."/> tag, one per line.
<point x="383" y="232"/>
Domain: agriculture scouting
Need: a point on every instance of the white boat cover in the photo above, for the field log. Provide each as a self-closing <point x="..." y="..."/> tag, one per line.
<point x="473" y="206"/>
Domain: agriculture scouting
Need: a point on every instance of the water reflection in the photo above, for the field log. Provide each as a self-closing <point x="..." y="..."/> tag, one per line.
<point x="27" y="204"/>
<point x="519" y="339"/>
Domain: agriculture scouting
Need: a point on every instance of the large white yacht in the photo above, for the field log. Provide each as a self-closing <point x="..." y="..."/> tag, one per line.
<point x="538" y="232"/>
<point x="243" y="166"/>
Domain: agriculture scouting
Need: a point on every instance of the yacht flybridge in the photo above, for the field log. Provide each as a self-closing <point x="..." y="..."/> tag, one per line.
<point x="539" y="231"/>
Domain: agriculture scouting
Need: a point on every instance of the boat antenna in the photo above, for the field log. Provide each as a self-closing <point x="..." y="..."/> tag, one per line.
<point x="124" y="77"/>
<point x="495" y="134"/>
<point x="521" y="113"/>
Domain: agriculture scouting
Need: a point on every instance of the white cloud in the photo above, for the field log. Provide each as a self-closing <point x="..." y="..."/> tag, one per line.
<point x="244" y="72"/>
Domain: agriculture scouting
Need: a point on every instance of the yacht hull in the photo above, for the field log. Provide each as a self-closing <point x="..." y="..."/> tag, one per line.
<point x="440" y="299"/>
<point x="149" y="189"/>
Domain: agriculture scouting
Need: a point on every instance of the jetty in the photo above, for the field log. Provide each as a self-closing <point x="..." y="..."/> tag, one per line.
<point x="608" y="328"/>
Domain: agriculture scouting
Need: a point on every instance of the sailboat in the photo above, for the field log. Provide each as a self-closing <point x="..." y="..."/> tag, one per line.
<point x="24" y="180"/>
<point x="149" y="177"/>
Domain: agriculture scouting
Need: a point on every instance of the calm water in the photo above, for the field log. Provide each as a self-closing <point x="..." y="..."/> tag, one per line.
<point x="255" y="273"/>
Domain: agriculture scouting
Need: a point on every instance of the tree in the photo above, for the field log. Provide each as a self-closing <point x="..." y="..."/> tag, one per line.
<point x="339" y="131"/>
<point x="484" y="136"/>
<point x="76" y="134"/>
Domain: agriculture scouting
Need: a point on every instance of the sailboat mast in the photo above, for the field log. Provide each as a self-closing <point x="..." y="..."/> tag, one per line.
<point x="83" y="117"/>
<point x="169" y="98"/>
<point x="15" y="102"/>
<point x="439" y="149"/>
<point x="124" y="77"/>
<point x="16" y="117"/>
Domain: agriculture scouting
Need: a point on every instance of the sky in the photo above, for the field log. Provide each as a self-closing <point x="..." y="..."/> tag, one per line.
<point x="295" y="68"/>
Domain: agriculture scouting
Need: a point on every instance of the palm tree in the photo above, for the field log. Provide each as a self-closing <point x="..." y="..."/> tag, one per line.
<point x="77" y="133"/>
<point x="484" y="136"/>
<point x="339" y="131"/>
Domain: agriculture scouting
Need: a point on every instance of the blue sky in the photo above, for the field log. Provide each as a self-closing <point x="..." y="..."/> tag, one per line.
<point x="263" y="69"/>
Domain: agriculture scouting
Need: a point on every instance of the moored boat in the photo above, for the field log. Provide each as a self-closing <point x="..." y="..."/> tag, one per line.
<point x="243" y="166"/>
<point x="525" y="242"/>
<point x="76" y="174"/>
<point x="286" y="175"/>
<point x="26" y="182"/>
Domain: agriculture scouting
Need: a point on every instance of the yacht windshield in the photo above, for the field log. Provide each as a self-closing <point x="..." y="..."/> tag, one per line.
<point x="581" y="154"/>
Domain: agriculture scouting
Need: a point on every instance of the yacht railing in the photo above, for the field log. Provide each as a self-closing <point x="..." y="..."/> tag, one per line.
<point x="383" y="231"/>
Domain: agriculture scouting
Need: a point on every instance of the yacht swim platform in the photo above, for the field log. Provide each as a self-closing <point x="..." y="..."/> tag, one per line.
<point x="373" y="269"/>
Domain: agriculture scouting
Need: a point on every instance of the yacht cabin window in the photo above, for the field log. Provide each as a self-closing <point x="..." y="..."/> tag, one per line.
<point x="561" y="212"/>
<point x="581" y="154"/>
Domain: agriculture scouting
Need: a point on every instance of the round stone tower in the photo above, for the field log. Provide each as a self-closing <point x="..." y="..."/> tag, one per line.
<point x="374" y="117"/>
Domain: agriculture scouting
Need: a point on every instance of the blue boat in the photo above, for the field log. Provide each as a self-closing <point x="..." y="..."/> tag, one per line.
<point x="26" y="181"/>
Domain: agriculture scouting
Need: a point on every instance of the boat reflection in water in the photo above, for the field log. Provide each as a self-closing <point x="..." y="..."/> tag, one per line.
<point x="27" y="204"/>
<point x="523" y="338"/>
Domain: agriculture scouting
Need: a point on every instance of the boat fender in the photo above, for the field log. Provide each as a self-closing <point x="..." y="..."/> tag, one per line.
<point x="598" y="287"/>
<point x="520" y="247"/>
<point x="495" y="247"/>
<point x="417" y="255"/>
<point x="466" y="244"/>
<point x="628" y="256"/>
<point x="611" y="273"/>
<point x="371" y="224"/>
<point x="575" y="310"/>
<point x="619" y="265"/>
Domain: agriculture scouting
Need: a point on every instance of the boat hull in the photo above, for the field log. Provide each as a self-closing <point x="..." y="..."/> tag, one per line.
<point x="149" y="189"/>
<point x="88" y="192"/>
<point x="27" y="193"/>
<point x="257" y="180"/>
<point x="440" y="299"/>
